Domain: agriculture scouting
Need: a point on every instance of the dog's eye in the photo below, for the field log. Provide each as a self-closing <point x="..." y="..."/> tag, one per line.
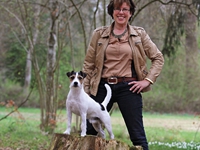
<point x="72" y="77"/>
<point x="80" y="78"/>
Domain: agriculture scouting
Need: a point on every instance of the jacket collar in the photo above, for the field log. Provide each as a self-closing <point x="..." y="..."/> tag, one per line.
<point x="108" y="30"/>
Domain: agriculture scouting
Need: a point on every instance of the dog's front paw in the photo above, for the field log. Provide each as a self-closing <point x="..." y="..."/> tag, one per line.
<point x="67" y="132"/>
<point x="83" y="134"/>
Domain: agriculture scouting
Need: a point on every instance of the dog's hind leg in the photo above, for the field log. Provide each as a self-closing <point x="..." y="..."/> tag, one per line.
<point x="98" y="128"/>
<point x="108" y="126"/>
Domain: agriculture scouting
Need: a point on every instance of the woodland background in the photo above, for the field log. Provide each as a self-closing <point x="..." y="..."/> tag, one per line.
<point x="41" y="40"/>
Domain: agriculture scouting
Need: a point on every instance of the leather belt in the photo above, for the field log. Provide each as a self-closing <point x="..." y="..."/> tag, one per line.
<point x="115" y="80"/>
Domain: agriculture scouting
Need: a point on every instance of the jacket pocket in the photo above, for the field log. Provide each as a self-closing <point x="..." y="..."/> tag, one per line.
<point x="144" y="71"/>
<point x="99" y="44"/>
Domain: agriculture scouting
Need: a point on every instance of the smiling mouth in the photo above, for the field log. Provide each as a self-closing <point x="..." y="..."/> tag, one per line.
<point x="120" y="17"/>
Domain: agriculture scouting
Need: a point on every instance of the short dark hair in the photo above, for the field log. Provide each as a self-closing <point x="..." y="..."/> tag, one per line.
<point x="118" y="3"/>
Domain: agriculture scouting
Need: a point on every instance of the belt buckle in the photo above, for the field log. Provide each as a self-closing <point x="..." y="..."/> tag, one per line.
<point x="109" y="80"/>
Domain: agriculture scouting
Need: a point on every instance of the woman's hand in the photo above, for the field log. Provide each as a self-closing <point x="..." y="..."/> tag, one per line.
<point x="138" y="86"/>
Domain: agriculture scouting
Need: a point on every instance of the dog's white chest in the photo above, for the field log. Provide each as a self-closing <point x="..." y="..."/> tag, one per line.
<point x="76" y="104"/>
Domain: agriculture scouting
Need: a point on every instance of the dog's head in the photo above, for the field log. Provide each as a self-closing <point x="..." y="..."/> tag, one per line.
<point x="76" y="78"/>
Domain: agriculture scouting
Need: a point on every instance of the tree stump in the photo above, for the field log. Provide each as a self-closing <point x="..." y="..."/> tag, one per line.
<point x="73" y="142"/>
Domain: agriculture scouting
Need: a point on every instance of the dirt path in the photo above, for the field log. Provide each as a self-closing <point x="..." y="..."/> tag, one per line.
<point x="189" y="124"/>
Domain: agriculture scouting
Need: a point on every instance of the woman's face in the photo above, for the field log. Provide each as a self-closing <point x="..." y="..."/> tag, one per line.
<point x="122" y="14"/>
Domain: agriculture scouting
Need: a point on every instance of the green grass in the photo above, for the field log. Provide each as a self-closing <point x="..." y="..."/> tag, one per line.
<point x="18" y="132"/>
<point x="22" y="130"/>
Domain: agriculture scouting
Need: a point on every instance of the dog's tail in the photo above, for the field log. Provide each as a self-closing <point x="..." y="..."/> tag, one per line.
<point x="108" y="96"/>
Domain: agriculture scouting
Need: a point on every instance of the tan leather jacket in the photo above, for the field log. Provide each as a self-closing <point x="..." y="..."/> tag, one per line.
<point x="142" y="47"/>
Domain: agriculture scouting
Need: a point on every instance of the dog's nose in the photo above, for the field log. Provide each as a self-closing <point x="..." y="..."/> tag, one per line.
<point x="75" y="83"/>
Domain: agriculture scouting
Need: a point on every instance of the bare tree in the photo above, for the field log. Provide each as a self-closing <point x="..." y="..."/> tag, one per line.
<point x="35" y="32"/>
<point x="82" y="24"/>
<point x="95" y="12"/>
<point x="191" y="50"/>
<point x="49" y="118"/>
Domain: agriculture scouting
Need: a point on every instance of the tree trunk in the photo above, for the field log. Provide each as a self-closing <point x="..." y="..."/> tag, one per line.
<point x="28" y="69"/>
<point x="69" y="142"/>
<point x="191" y="44"/>
<point x="49" y="118"/>
<point x="32" y="43"/>
<point x="82" y="25"/>
<point x="191" y="88"/>
<point x="191" y="49"/>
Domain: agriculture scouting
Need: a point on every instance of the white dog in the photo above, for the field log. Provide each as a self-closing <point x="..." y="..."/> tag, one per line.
<point x="82" y="104"/>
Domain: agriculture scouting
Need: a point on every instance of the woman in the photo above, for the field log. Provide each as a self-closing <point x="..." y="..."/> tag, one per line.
<point x="117" y="55"/>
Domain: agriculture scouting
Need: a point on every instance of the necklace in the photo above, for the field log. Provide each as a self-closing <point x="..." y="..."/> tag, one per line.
<point x="119" y="36"/>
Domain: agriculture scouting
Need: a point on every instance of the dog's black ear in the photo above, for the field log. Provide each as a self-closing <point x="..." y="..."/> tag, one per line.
<point x="70" y="73"/>
<point x="83" y="74"/>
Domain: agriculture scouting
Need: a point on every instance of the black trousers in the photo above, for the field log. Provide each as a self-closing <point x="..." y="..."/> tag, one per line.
<point x="130" y="105"/>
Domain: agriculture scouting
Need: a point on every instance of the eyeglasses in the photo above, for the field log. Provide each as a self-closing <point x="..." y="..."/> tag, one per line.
<point x="124" y="10"/>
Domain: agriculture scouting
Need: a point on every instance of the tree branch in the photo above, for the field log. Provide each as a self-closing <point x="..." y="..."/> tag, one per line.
<point x="82" y="24"/>
<point x="164" y="3"/>
<point x="95" y="12"/>
<point x="26" y="99"/>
